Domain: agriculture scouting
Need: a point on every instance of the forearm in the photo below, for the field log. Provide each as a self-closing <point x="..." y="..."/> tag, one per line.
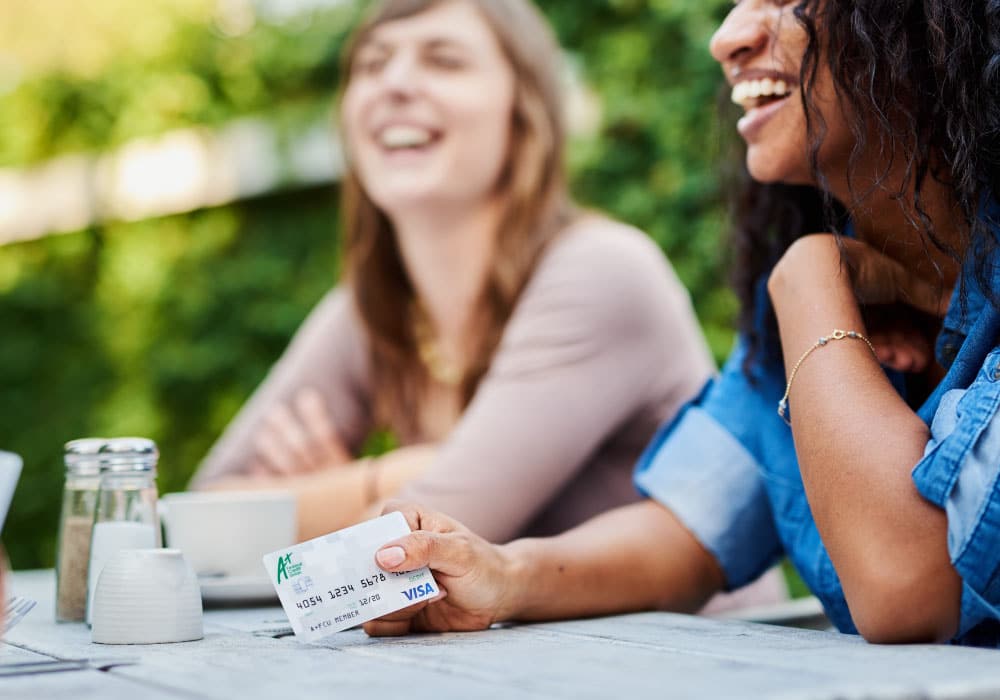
<point x="326" y="500"/>
<point x="638" y="557"/>
<point x="857" y="442"/>
<point x="341" y="495"/>
<point x="394" y="470"/>
<point x="330" y="499"/>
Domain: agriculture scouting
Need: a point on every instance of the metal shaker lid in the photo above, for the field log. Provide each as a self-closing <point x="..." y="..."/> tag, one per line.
<point x="129" y="454"/>
<point x="81" y="456"/>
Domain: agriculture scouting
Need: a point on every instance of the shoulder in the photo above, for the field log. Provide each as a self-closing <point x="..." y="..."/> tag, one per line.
<point x="602" y="290"/>
<point x="335" y="310"/>
<point x="607" y="270"/>
<point x="336" y="303"/>
<point x="605" y="247"/>
<point x="333" y="327"/>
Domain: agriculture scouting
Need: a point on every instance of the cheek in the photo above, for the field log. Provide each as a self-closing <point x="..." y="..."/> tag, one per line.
<point x="783" y="155"/>
<point x="483" y="137"/>
<point x="838" y="140"/>
<point x="491" y="116"/>
<point x="351" y="121"/>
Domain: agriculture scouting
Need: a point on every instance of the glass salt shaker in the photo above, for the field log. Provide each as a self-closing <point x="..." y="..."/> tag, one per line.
<point x="125" y="516"/>
<point x="76" y="520"/>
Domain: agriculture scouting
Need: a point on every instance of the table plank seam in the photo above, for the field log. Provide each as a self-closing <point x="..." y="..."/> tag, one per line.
<point x="442" y="666"/>
<point x="111" y="671"/>
<point x="27" y="647"/>
<point x="684" y="651"/>
<point x="157" y="685"/>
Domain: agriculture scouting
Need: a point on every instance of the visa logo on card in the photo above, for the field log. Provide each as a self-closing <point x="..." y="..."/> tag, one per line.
<point x="331" y="583"/>
<point x="419" y="592"/>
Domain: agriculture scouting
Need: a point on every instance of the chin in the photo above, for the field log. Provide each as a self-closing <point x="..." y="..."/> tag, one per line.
<point x="402" y="201"/>
<point x="772" y="173"/>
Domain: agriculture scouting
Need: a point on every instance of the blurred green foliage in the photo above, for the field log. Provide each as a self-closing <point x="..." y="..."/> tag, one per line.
<point x="162" y="328"/>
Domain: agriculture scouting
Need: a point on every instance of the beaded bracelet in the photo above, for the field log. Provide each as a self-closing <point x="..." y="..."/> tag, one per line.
<point x="836" y="335"/>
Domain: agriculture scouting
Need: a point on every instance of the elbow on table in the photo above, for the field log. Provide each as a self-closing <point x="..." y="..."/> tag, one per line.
<point x="901" y="609"/>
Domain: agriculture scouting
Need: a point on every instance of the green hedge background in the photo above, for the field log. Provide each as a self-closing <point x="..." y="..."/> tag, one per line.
<point x="162" y="328"/>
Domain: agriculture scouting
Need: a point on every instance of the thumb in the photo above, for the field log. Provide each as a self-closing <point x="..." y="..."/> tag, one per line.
<point x="446" y="553"/>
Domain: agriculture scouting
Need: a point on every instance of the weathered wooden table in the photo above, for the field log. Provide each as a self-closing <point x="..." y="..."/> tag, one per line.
<point x="633" y="656"/>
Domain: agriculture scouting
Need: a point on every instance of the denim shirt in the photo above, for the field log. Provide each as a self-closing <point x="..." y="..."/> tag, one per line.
<point x="726" y="467"/>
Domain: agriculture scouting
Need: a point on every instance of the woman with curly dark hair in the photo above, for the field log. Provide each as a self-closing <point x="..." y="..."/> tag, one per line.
<point x="868" y="228"/>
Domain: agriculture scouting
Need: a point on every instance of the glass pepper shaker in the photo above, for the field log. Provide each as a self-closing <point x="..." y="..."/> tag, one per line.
<point x="76" y="520"/>
<point x="125" y="516"/>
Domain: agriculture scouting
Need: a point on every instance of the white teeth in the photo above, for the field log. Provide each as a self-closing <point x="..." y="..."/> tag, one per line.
<point x="745" y="92"/>
<point x="404" y="137"/>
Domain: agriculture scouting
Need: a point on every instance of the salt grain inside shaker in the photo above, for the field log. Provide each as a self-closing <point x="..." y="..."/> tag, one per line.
<point x="125" y="516"/>
<point x="75" y="523"/>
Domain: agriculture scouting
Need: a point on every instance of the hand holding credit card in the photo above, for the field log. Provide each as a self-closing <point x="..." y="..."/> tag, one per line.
<point x="332" y="583"/>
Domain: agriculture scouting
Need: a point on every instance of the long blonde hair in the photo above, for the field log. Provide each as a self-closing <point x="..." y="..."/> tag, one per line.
<point x="536" y="206"/>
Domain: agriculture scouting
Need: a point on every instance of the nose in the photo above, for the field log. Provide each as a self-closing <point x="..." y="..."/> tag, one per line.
<point x="743" y="34"/>
<point x="401" y="75"/>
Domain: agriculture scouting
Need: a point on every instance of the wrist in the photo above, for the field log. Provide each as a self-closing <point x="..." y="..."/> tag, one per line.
<point x="372" y="470"/>
<point x="516" y="565"/>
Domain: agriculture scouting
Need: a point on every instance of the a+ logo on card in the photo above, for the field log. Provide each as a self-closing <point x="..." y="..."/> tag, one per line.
<point x="331" y="583"/>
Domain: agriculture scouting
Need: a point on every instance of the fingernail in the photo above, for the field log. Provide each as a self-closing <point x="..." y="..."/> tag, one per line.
<point x="391" y="556"/>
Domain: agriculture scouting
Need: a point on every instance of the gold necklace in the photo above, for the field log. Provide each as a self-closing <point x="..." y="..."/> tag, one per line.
<point x="437" y="365"/>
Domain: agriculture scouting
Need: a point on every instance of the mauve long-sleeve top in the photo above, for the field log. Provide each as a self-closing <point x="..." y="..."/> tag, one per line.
<point x="601" y="349"/>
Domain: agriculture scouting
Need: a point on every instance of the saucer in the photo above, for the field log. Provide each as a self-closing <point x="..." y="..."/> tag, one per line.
<point x="236" y="589"/>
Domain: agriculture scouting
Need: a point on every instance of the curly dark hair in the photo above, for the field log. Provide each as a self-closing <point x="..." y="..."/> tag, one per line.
<point x="923" y="79"/>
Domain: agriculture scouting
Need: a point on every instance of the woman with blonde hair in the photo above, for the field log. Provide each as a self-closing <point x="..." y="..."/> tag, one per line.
<point x="521" y="351"/>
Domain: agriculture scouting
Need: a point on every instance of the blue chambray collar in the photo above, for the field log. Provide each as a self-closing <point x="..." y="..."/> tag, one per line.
<point x="963" y="316"/>
<point x="971" y="329"/>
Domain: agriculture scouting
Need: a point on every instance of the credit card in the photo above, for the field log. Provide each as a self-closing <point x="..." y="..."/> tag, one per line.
<point x="332" y="583"/>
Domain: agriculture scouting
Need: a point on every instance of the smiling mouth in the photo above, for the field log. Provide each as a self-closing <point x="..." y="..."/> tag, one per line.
<point x="751" y="94"/>
<point x="406" y="138"/>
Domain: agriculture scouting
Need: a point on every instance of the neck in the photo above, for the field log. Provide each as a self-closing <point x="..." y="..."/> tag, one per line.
<point x="890" y="225"/>
<point x="447" y="254"/>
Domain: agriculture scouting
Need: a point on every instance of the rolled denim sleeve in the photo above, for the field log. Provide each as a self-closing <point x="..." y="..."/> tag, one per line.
<point x="960" y="472"/>
<point x="703" y="468"/>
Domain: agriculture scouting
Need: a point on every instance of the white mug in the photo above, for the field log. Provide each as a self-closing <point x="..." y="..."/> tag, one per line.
<point x="225" y="533"/>
<point x="147" y="596"/>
